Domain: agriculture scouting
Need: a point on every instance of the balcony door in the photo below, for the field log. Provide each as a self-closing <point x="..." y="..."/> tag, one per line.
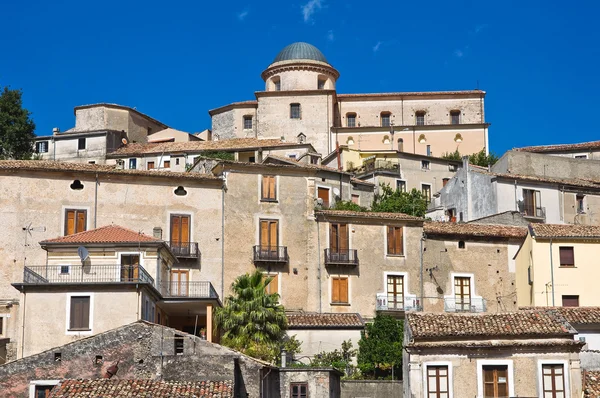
<point x="495" y="381"/>
<point x="338" y="242"/>
<point x="395" y="292"/>
<point x="130" y="267"/>
<point x="179" y="282"/>
<point x="180" y="234"/>
<point x="462" y="294"/>
<point x="269" y="238"/>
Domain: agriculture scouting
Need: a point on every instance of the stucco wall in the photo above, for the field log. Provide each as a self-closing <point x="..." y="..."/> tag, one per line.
<point x="230" y="123"/>
<point x="372" y="389"/>
<point x="321" y="383"/>
<point x="537" y="164"/>
<point x="65" y="148"/>
<point x="315" y="341"/>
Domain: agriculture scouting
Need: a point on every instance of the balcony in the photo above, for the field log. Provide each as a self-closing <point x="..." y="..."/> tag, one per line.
<point x="341" y="257"/>
<point x="458" y="304"/>
<point x="388" y="165"/>
<point x="199" y="289"/>
<point x="185" y="249"/>
<point x="270" y="254"/>
<point x="79" y="274"/>
<point x="391" y="302"/>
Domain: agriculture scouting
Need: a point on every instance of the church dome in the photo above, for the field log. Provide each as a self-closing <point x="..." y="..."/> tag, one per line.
<point x="300" y="50"/>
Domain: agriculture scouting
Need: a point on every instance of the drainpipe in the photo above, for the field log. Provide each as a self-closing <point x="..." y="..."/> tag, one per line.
<point x="551" y="272"/>
<point x="516" y="200"/>
<point x="422" y="281"/>
<point x="223" y="241"/>
<point x="319" y="262"/>
<point x="96" y="202"/>
<point x="23" y="326"/>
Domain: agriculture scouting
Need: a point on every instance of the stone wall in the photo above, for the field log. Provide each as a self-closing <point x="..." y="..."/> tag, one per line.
<point x="372" y="389"/>
<point x="537" y="164"/>
<point x="321" y="382"/>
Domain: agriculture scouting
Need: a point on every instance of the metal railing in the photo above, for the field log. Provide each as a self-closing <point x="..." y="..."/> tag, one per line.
<point x="185" y="249"/>
<point x="276" y="254"/>
<point x="341" y="257"/>
<point x="194" y="289"/>
<point x="532" y="211"/>
<point x="47" y="274"/>
<point x="381" y="164"/>
<point x="392" y="302"/>
<point x="463" y="304"/>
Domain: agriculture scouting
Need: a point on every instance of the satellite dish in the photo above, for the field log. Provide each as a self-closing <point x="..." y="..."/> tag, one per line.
<point x="83" y="253"/>
<point x="124" y="141"/>
<point x="336" y="192"/>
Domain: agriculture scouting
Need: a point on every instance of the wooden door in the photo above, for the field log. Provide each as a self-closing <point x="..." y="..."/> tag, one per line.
<point x="179" y="283"/>
<point x="180" y="234"/>
<point x="462" y="293"/>
<point x="395" y="292"/>
<point x="323" y="194"/>
<point x="130" y="267"/>
<point x="269" y="238"/>
<point x="495" y="381"/>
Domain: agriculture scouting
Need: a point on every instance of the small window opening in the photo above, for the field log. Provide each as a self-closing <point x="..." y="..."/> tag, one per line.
<point x="64" y="269"/>
<point x="99" y="360"/>
<point x="57" y="357"/>
<point x="177" y="161"/>
<point x="77" y="185"/>
<point x="178" y="344"/>
<point x="461" y="244"/>
<point x="180" y="191"/>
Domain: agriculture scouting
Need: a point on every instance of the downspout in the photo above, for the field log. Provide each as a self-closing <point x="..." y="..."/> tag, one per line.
<point x="516" y="200"/>
<point x="223" y="240"/>
<point x="23" y="325"/>
<point x="96" y="202"/>
<point x="551" y="272"/>
<point x="422" y="280"/>
<point x="319" y="263"/>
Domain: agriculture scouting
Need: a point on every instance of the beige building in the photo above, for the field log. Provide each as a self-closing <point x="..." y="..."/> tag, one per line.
<point x="300" y="97"/>
<point x="557" y="266"/>
<point x="172" y="135"/>
<point x="582" y="150"/>
<point x="516" y="354"/>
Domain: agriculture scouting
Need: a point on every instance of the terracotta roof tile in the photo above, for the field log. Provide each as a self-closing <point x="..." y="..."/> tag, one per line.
<point x="536" y="342"/>
<point x="368" y="215"/>
<point x="106" y="234"/>
<point x="326" y="320"/>
<point x="539" y="230"/>
<point x="561" y="147"/>
<point x="474" y="230"/>
<point x="293" y="162"/>
<point x="106" y="388"/>
<point x="575" y="315"/>
<point x="358" y="181"/>
<point x="546" y="323"/>
<point x="573" y="182"/>
<point x="591" y="383"/>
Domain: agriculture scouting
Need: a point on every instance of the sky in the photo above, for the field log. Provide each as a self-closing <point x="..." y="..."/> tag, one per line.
<point x="537" y="60"/>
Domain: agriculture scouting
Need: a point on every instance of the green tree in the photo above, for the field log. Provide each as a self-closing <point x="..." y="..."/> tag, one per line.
<point x="483" y="160"/>
<point x="380" y="348"/>
<point x="348" y="205"/>
<point x="396" y="201"/>
<point x="452" y="155"/>
<point x="252" y="319"/>
<point x="16" y="126"/>
<point x="340" y="359"/>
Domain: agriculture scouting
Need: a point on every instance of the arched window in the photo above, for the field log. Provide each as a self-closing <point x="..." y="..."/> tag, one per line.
<point x="276" y="83"/>
<point x="455" y="117"/>
<point x="350" y="119"/>
<point x="400" y="145"/>
<point x="386" y="119"/>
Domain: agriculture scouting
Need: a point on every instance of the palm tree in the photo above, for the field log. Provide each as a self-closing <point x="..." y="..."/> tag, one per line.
<point x="252" y="319"/>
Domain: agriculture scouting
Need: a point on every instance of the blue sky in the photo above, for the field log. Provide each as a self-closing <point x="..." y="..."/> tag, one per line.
<point x="537" y="60"/>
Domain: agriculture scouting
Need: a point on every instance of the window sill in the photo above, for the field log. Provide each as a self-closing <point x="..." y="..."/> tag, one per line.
<point x="396" y="255"/>
<point x="340" y="304"/>
<point x="567" y="266"/>
<point x="269" y="200"/>
<point x="79" y="330"/>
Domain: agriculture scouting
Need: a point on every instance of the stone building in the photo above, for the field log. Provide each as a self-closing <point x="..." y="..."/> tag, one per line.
<point x="582" y="150"/>
<point x="300" y="101"/>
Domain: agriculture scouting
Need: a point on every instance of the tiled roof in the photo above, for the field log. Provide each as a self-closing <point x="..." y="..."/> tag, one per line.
<point x="117" y="106"/>
<point x="591" y="383"/>
<point x="539" y="230"/>
<point x="582" y="146"/>
<point x="474" y="230"/>
<point x="368" y="215"/>
<point x="293" y="162"/>
<point x="575" y="315"/>
<point x="327" y="320"/>
<point x="573" y="182"/>
<point x="198" y="146"/>
<point x="106" y="234"/>
<point x="358" y="181"/>
<point x="48" y="165"/>
<point x="483" y="343"/>
<point x="239" y="104"/>
<point x="414" y="93"/>
<point x="543" y="323"/>
<point x="107" y="388"/>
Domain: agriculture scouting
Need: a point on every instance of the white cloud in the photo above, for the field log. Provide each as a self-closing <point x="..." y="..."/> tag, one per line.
<point x="310" y="8"/>
<point x="458" y="53"/>
<point x="376" y="47"/>
<point x="330" y="36"/>
<point x="242" y="15"/>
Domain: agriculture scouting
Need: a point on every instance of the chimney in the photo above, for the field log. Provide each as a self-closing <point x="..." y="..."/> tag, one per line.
<point x="283" y="358"/>
<point x="157" y="232"/>
<point x="465" y="160"/>
<point x="55" y="131"/>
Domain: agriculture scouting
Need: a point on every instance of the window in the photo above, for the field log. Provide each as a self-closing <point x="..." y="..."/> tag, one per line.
<point x="395" y="292"/>
<point x="321" y="84"/>
<point x="273" y="286"/>
<point x="81" y="143"/>
<point x="252" y="159"/>
<point x="180" y="282"/>
<point x="580" y="156"/>
<point x="178" y="344"/>
<point x="355" y="199"/>
<point x="247" y="122"/>
<point x="420" y="118"/>
<point x="426" y="190"/>
<point x="451" y="167"/>
<point x="269" y="192"/>
<point x="180" y="234"/>
<point x="64" y="269"/>
<point x="351" y="120"/>
<point x="269" y="238"/>
<point x="130" y="267"/>
<point x="150" y="166"/>
<point x="425" y="165"/>
<point x="42" y="391"/>
<point x="2" y="326"/>
<point x="323" y="194"/>
<point x="132" y="164"/>
<point x="41" y="146"/>
<point x="167" y="164"/>
<point x="401" y="185"/>
<point x="495" y="381"/>
<point x="532" y="203"/>
<point x="79" y="317"/>
<point x="570" y="301"/>
<point x="395" y="241"/>
<point x="299" y="390"/>
<point x="148" y="309"/>
<point x="75" y="221"/>
<point x="553" y="381"/>
<point x="579" y="203"/>
<point x="461" y="244"/>
<point x="385" y="119"/>
<point x="295" y="111"/>
<point x="338" y="239"/>
<point x="462" y="294"/>
<point x="177" y="161"/>
<point x="445" y="181"/>
<point x="437" y="382"/>
<point x="339" y="290"/>
<point x="567" y="256"/>
<point x="454" y="117"/>
<point x="277" y="85"/>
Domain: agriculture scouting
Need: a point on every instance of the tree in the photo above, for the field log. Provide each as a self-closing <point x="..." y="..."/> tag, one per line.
<point x="16" y="126"/>
<point x="380" y="348"/>
<point x="396" y="201"/>
<point x="478" y="159"/>
<point x="348" y="205"/>
<point x="452" y="155"/>
<point x="339" y="359"/>
<point x="252" y="319"/>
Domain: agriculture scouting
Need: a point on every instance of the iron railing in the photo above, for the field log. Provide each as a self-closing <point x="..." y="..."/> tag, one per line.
<point x="341" y="257"/>
<point x="47" y="274"/>
<point x="194" y="289"/>
<point x="464" y="304"/>
<point x="276" y="254"/>
<point x="381" y="164"/>
<point x="185" y="249"/>
<point x="394" y="302"/>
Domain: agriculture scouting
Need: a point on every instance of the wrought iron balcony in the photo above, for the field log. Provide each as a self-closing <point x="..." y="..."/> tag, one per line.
<point x="392" y="302"/>
<point x="391" y="165"/>
<point x="462" y="304"/>
<point x="341" y="257"/>
<point x="185" y="249"/>
<point x="78" y="274"/>
<point x="193" y="289"/>
<point x="272" y="254"/>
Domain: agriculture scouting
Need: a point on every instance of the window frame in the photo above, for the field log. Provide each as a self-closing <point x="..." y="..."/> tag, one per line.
<point x="77" y="210"/>
<point x="429" y="197"/>
<point x="276" y="278"/>
<point x="493" y="362"/>
<point x="425" y="165"/>
<point x="403" y="184"/>
<point x="340" y="277"/>
<point x="293" y="114"/>
<point x="150" y="162"/>
<point x="455" y="113"/>
<point x="562" y="249"/>
<point x="566" y="374"/>
<point x="580" y="203"/>
<point x="351" y="115"/>
<point x="81" y="140"/>
<point x="245" y="119"/>
<point x="68" y="330"/>
<point x="402" y="240"/>
<point x="329" y="193"/>
<point x="133" y="161"/>
<point x="569" y="297"/>
<point x="44" y="143"/>
<point x="268" y="198"/>
<point x="448" y="364"/>
<point x="299" y="395"/>
<point x="40" y="383"/>
<point x="387" y="115"/>
<point x="420" y="114"/>
<point x="3" y="324"/>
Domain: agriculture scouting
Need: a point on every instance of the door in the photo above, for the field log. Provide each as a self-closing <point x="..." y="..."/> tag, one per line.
<point x="437" y="382"/>
<point x="269" y="239"/>
<point x="323" y="194"/>
<point x="462" y="294"/>
<point x="130" y="267"/>
<point x="338" y="244"/>
<point x="495" y="381"/>
<point x="179" y="283"/>
<point x="395" y="292"/>
<point x="180" y="234"/>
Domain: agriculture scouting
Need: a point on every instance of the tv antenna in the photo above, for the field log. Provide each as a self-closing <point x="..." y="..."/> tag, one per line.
<point x="28" y="233"/>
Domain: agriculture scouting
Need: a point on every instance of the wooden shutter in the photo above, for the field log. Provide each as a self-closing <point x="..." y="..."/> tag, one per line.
<point x="333" y="237"/>
<point x="81" y="220"/>
<point x="273" y="232"/>
<point x="70" y="222"/>
<point x="343" y="237"/>
<point x="268" y="188"/>
<point x="175" y="229"/>
<point x="273" y="286"/>
<point x="185" y="230"/>
<point x="272" y="187"/>
<point x="567" y="257"/>
<point x="335" y="290"/>
<point x="343" y="290"/>
<point x="323" y="193"/>
<point x="264" y="234"/>
<point x="399" y="244"/>
<point x="80" y="313"/>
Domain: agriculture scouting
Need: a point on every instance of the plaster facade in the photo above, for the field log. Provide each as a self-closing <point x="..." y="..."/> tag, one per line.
<point x="543" y="165"/>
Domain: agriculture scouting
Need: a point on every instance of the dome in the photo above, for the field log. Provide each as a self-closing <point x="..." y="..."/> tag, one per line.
<point x="300" y="50"/>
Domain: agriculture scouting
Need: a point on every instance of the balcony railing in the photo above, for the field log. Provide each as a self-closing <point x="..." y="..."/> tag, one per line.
<point x="185" y="249"/>
<point x="458" y="304"/>
<point x="380" y="164"/>
<point x="534" y="212"/>
<point x="275" y="254"/>
<point x="48" y="274"/>
<point x="341" y="257"/>
<point x="199" y="289"/>
<point x="392" y="302"/>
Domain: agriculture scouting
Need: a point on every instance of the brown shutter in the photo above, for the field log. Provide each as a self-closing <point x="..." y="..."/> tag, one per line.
<point x="567" y="256"/>
<point x="273" y="235"/>
<point x="390" y="240"/>
<point x="264" y="234"/>
<point x="81" y="220"/>
<point x="85" y="313"/>
<point x="80" y="313"/>
<point x="323" y="193"/>
<point x="275" y="284"/>
<point x="272" y="187"/>
<point x="335" y="290"/>
<point x="343" y="238"/>
<point x="343" y="290"/>
<point x="399" y="243"/>
<point x="70" y="223"/>
<point x="265" y="187"/>
<point x="333" y="237"/>
<point x="135" y="263"/>
<point x="175" y="229"/>
<point x="185" y="230"/>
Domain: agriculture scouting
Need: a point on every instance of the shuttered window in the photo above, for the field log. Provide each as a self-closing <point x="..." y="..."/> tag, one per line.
<point x="299" y="390"/>
<point x="495" y="381"/>
<point x="269" y="192"/>
<point x="150" y="166"/>
<point x="75" y="221"/>
<point x="567" y="257"/>
<point x="339" y="290"/>
<point x="395" y="241"/>
<point x="553" y="378"/>
<point x="570" y="301"/>
<point x="80" y="313"/>
<point x="273" y="286"/>
<point x="269" y="235"/>
<point x="323" y="194"/>
<point x="338" y="238"/>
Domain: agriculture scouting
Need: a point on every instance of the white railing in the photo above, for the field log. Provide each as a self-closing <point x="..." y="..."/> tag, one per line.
<point x="390" y="302"/>
<point x="457" y="304"/>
